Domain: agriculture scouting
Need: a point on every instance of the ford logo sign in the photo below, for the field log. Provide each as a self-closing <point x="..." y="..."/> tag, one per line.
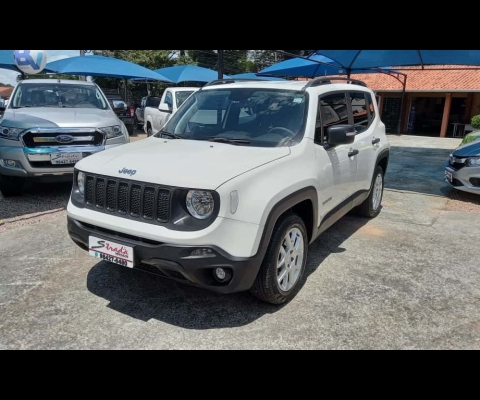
<point x="64" y="139"/>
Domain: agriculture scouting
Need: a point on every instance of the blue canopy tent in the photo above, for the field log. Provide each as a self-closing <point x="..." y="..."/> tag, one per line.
<point x="7" y="61"/>
<point x="251" y="75"/>
<point x="311" y="67"/>
<point x="103" y="66"/>
<point x="361" y="59"/>
<point x="314" y="66"/>
<point x="189" y="73"/>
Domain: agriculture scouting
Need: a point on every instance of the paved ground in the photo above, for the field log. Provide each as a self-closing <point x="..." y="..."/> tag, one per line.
<point x="409" y="279"/>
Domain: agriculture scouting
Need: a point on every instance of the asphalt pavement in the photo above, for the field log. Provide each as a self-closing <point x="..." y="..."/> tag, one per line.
<point x="409" y="279"/>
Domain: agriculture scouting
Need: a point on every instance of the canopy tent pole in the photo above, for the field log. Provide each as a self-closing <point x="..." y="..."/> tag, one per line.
<point x="220" y="64"/>
<point x="402" y="106"/>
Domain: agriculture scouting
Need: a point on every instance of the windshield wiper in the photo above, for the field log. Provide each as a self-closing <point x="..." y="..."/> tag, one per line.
<point x="229" y="140"/>
<point x="170" y="135"/>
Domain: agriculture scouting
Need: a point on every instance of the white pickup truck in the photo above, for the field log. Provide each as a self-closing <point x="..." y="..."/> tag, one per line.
<point x="172" y="99"/>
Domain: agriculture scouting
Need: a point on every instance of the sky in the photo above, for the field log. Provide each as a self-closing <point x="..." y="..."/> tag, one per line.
<point x="10" y="77"/>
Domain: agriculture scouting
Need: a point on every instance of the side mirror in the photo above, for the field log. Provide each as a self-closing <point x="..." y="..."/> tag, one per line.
<point x="341" y="134"/>
<point x="165" y="108"/>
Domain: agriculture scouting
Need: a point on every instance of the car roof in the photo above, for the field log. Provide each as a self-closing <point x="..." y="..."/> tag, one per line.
<point x="183" y="89"/>
<point x="56" y="81"/>
<point x="288" y="85"/>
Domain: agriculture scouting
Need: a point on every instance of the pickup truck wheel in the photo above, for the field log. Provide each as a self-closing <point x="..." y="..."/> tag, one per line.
<point x="279" y="278"/>
<point x="149" y="130"/>
<point x="372" y="206"/>
<point x="11" y="186"/>
<point x="130" y="129"/>
<point x="135" y="123"/>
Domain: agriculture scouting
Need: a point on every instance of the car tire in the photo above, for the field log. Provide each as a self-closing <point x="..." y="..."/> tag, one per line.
<point x="372" y="206"/>
<point x="149" y="130"/>
<point x="130" y="130"/>
<point x="269" y="286"/>
<point x="135" y="123"/>
<point x="11" y="186"/>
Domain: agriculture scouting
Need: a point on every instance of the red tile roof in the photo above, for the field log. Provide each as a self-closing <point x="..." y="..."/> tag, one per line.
<point x="451" y="78"/>
<point x="6" y="92"/>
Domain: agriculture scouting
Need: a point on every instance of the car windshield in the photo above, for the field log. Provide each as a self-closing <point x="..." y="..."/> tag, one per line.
<point x="182" y="96"/>
<point x="57" y="95"/>
<point x="246" y="116"/>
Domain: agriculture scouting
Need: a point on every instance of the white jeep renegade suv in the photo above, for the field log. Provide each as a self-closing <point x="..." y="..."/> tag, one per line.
<point x="231" y="192"/>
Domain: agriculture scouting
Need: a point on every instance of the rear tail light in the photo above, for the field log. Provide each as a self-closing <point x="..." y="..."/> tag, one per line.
<point x="132" y="111"/>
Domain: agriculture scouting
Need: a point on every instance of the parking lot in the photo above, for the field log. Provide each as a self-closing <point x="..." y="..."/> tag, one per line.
<point x="409" y="279"/>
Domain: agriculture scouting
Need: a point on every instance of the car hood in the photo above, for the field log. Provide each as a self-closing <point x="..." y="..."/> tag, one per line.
<point x="180" y="163"/>
<point x="26" y="118"/>
<point x="468" y="150"/>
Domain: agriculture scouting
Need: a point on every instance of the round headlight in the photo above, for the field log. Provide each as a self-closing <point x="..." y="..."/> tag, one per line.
<point x="81" y="182"/>
<point x="200" y="203"/>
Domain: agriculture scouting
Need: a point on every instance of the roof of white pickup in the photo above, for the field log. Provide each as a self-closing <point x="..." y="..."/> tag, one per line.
<point x="289" y="85"/>
<point x="62" y="81"/>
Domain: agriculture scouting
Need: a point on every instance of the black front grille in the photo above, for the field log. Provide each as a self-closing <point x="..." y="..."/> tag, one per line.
<point x="128" y="199"/>
<point x="457" y="166"/>
<point x="29" y="139"/>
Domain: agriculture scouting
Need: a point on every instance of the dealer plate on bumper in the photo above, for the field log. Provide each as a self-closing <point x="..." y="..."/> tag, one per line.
<point x="110" y="251"/>
<point x="65" y="158"/>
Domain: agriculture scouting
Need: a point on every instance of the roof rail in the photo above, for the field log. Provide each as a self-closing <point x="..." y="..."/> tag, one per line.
<point x="229" y="80"/>
<point x="327" y="81"/>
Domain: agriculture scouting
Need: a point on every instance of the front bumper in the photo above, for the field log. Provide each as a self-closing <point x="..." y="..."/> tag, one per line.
<point x="35" y="163"/>
<point x="466" y="179"/>
<point x="176" y="262"/>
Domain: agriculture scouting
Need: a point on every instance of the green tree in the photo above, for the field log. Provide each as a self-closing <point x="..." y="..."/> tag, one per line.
<point x="5" y="85"/>
<point x="234" y="61"/>
<point x="265" y="58"/>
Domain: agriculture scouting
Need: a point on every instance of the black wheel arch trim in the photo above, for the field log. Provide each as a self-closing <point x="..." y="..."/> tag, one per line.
<point x="307" y="193"/>
<point x="385" y="153"/>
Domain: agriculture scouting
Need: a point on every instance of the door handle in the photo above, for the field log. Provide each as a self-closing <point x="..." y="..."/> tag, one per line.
<point x="375" y="141"/>
<point x="353" y="153"/>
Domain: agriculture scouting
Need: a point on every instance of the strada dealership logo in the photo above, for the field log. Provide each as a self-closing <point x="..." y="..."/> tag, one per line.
<point x="119" y="251"/>
<point x="126" y="171"/>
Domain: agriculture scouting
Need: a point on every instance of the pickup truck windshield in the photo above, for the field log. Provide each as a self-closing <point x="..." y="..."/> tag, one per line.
<point x="246" y="116"/>
<point x="58" y="96"/>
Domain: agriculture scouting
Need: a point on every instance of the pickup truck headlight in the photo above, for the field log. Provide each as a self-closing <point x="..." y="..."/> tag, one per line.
<point x="81" y="182"/>
<point x="112" y="131"/>
<point x="10" y="133"/>
<point x="473" y="162"/>
<point x="200" y="203"/>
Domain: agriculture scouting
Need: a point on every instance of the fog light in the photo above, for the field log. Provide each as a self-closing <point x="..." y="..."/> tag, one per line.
<point x="8" y="163"/>
<point x="202" y="253"/>
<point x="220" y="274"/>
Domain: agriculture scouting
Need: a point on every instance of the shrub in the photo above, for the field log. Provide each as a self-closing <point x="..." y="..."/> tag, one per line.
<point x="476" y="122"/>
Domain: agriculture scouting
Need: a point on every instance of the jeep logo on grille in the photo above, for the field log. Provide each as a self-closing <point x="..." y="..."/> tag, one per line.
<point x="125" y="171"/>
<point x="64" y="139"/>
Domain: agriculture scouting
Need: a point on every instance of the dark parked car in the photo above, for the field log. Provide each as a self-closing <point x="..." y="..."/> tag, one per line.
<point x="149" y="101"/>
<point x="124" y="111"/>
